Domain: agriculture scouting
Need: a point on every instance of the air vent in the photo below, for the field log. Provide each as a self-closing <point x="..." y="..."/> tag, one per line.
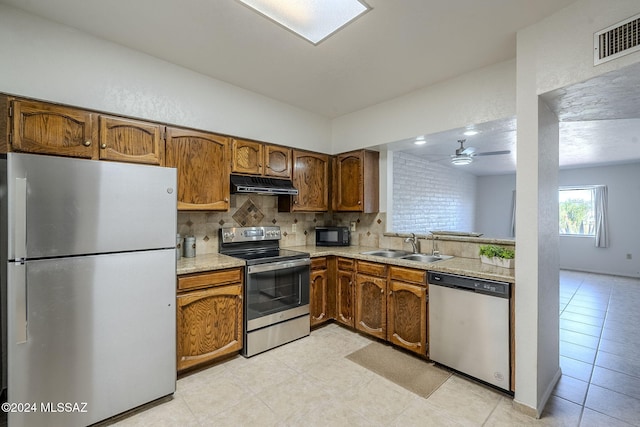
<point x="618" y="40"/>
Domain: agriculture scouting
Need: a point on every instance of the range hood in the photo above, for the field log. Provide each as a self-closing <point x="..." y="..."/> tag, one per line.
<point x="260" y="185"/>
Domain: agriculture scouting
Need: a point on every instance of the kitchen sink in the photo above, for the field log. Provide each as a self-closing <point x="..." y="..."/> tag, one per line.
<point x="400" y="254"/>
<point x="425" y="257"/>
<point x="388" y="253"/>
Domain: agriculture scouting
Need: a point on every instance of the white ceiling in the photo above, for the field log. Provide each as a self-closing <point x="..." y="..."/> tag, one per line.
<point x="397" y="47"/>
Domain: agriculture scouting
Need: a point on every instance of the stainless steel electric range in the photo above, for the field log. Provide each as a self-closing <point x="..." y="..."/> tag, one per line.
<point x="276" y="293"/>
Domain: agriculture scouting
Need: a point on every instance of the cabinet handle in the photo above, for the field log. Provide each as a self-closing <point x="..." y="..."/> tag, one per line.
<point x="390" y="292"/>
<point x="359" y="202"/>
<point x="86" y="143"/>
<point x="103" y="146"/>
<point x="382" y="291"/>
<point x="226" y="199"/>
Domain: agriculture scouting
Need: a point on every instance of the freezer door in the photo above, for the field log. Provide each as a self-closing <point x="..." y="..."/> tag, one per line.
<point x="98" y="330"/>
<point x="61" y="206"/>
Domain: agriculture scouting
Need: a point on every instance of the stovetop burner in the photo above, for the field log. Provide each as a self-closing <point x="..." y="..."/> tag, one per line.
<point x="256" y="245"/>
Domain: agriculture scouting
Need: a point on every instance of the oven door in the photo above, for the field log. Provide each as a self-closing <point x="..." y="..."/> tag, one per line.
<point x="276" y="291"/>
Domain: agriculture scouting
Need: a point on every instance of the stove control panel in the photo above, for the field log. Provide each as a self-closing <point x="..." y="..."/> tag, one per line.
<point x="249" y="234"/>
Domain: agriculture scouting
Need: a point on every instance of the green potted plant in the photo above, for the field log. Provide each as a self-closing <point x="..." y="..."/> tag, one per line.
<point x="497" y="255"/>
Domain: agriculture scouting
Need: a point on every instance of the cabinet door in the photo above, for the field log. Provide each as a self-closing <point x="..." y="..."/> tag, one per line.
<point x="133" y="141"/>
<point x="348" y="189"/>
<point x="203" y="169"/>
<point x="278" y="161"/>
<point x="246" y="157"/>
<point x="345" y="297"/>
<point x="42" y="128"/>
<point x="407" y="316"/>
<point x="371" y="305"/>
<point x="209" y="324"/>
<point x="310" y="177"/>
<point x="318" y="297"/>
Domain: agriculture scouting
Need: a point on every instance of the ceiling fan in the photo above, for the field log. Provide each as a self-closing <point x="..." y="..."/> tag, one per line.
<point x="464" y="156"/>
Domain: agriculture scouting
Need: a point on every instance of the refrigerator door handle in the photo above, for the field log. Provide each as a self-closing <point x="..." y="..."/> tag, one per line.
<point x="19" y="283"/>
<point x="20" y="219"/>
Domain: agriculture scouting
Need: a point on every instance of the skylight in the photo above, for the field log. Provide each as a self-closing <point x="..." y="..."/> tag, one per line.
<point x="314" y="20"/>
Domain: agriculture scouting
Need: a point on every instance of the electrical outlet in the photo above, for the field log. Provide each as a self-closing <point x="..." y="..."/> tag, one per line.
<point x="294" y="228"/>
<point x="353" y="226"/>
<point x="629" y="256"/>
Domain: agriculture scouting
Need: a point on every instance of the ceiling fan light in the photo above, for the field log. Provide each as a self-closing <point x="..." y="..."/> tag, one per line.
<point x="461" y="160"/>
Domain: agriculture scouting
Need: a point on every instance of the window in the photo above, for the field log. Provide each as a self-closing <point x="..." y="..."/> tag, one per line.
<point x="577" y="211"/>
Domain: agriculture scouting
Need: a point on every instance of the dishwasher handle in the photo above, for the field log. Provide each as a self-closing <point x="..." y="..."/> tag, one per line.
<point x="471" y="284"/>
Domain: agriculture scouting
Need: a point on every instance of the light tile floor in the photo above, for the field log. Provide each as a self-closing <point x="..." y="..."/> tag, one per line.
<point x="310" y="383"/>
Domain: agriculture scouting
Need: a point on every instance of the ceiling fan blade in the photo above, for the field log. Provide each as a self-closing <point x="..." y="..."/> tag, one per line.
<point x="492" y="153"/>
<point x="468" y="151"/>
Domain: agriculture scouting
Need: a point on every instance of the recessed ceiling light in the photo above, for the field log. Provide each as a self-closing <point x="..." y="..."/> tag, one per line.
<point x="420" y="140"/>
<point x="470" y="132"/>
<point x="314" y="20"/>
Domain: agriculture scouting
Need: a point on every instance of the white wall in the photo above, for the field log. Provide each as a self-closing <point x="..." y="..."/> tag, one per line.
<point x="428" y="196"/>
<point x="580" y="253"/>
<point x="494" y="199"/>
<point x="556" y="52"/>
<point x="48" y="61"/>
<point x="480" y="96"/>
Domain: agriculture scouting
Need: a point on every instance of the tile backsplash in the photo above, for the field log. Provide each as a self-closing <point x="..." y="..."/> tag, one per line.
<point x="297" y="228"/>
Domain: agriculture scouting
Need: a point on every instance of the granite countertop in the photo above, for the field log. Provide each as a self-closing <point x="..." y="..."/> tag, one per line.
<point x="471" y="267"/>
<point x="206" y="262"/>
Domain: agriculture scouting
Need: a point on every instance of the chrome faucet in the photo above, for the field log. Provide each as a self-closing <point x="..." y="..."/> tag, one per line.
<point x="434" y="247"/>
<point x="414" y="242"/>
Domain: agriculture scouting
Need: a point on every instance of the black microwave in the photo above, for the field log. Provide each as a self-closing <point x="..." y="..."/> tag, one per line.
<point x="333" y="236"/>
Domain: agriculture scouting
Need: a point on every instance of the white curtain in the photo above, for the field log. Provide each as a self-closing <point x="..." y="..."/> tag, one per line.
<point x="513" y="214"/>
<point x="601" y="213"/>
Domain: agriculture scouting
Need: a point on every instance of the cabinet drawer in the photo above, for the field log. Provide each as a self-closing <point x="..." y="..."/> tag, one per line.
<point x="408" y="275"/>
<point x="208" y="279"/>
<point x="346" y="264"/>
<point x="371" y="268"/>
<point x="319" y="263"/>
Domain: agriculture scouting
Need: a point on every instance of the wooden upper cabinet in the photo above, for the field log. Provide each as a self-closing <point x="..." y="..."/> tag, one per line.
<point x="133" y="141"/>
<point x="202" y="161"/>
<point x="247" y="157"/>
<point x="311" y="178"/>
<point x="41" y="128"/>
<point x="277" y="161"/>
<point x="256" y="158"/>
<point x="356" y="182"/>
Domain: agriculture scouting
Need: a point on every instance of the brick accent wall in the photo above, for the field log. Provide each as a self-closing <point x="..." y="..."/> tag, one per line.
<point x="429" y="196"/>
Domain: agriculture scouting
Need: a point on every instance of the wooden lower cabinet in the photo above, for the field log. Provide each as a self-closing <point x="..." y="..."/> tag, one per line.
<point x="371" y="305"/>
<point x="407" y="316"/>
<point x="345" y="292"/>
<point x="209" y="320"/>
<point x="318" y="291"/>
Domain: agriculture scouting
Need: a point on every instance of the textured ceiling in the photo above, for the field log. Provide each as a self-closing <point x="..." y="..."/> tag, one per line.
<point x="397" y="47"/>
<point x="394" y="49"/>
<point x="599" y="125"/>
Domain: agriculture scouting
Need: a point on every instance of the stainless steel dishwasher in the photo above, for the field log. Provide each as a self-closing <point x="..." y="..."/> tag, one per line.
<point x="469" y="326"/>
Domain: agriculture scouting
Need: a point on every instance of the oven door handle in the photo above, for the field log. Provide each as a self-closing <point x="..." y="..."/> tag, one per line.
<point x="281" y="265"/>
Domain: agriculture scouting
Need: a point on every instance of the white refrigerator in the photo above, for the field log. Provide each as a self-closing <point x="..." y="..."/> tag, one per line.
<point x="88" y="288"/>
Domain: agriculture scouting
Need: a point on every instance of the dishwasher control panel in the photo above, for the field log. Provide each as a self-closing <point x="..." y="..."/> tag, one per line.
<point x="498" y="289"/>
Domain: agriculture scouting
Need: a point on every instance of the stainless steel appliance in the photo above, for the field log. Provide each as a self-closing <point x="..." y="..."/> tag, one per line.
<point x="469" y="326"/>
<point x="262" y="185"/>
<point x="333" y="236"/>
<point x="88" y="287"/>
<point x="276" y="293"/>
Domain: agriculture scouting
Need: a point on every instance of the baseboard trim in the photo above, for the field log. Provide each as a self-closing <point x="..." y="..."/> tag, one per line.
<point x="537" y="412"/>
